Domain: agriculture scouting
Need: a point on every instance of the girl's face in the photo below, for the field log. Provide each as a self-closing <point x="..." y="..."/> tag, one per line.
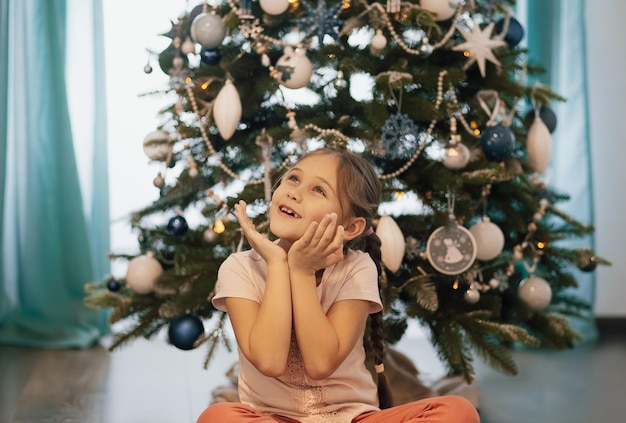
<point x="306" y="194"/>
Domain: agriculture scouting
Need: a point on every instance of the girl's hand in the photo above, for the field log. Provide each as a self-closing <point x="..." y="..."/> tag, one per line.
<point x="321" y="246"/>
<point x="269" y="250"/>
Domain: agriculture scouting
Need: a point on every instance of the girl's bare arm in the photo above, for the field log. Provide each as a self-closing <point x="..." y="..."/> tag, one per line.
<point x="263" y="331"/>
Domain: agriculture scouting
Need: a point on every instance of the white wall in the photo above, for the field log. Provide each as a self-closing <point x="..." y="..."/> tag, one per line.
<point x="132" y="27"/>
<point x="606" y="62"/>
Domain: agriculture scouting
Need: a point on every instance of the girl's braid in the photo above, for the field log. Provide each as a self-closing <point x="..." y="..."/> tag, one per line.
<point x="377" y="334"/>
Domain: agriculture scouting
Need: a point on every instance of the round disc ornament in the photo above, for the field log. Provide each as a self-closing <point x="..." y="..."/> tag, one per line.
<point x="451" y="249"/>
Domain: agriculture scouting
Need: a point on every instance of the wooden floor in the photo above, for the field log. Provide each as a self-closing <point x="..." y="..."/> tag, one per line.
<point x="156" y="383"/>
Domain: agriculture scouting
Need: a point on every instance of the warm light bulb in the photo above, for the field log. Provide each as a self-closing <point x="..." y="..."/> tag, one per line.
<point x="219" y="226"/>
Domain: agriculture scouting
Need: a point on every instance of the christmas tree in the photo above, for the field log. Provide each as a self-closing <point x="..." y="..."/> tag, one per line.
<point x="435" y="93"/>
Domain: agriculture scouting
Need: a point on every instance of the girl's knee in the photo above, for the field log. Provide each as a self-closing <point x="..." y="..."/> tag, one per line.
<point x="219" y="412"/>
<point x="461" y="407"/>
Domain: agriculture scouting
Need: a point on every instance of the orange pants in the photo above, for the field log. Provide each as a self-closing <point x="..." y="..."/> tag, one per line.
<point x="446" y="409"/>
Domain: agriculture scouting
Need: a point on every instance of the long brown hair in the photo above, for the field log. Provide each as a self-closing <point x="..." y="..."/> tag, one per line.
<point x="361" y="187"/>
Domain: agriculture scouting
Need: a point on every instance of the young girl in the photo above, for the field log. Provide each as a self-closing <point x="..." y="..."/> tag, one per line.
<point x="299" y="305"/>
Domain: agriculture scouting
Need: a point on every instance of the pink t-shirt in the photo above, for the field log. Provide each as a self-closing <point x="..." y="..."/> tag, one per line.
<point x="348" y="392"/>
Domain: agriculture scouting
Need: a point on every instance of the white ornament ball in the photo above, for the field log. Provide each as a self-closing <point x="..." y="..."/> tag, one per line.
<point x="392" y="242"/>
<point x="535" y="292"/>
<point x="208" y="30"/>
<point x="443" y="9"/>
<point x="158" y="181"/>
<point x="426" y="48"/>
<point x="489" y="239"/>
<point x="539" y="145"/>
<point x="157" y="145"/>
<point x="379" y="41"/>
<point x="457" y="156"/>
<point x="227" y="110"/>
<point x="274" y="7"/>
<point x="209" y="236"/>
<point x="294" y="68"/>
<point x="143" y="272"/>
<point x="494" y="283"/>
<point x="188" y="47"/>
<point x="472" y="296"/>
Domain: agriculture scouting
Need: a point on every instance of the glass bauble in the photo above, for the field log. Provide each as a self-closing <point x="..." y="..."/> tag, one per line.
<point x="498" y="142"/>
<point x="457" y="156"/>
<point x="274" y="7"/>
<point x="143" y="272"/>
<point x="535" y="292"/>
<point x="184" y="331"/>
<point x="515" y="32"/>
<point x="207" y="29"/>
<point x="157" y="145"/>
<point x="294" y="68"/>
<point x="489" y="239"/>
<point x="443" y="9"/>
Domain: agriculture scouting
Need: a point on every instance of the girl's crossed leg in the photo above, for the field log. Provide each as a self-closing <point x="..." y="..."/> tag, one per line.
<point x="444" y="409"/>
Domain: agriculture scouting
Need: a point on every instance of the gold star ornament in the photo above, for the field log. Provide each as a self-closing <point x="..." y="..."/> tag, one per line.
<point x="478" y="45"/>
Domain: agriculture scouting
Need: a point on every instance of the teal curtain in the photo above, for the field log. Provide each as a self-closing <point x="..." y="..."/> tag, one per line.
<point x="55" y="220"/>
<point x="4" y="58"/>
<point x="555" y="37"/>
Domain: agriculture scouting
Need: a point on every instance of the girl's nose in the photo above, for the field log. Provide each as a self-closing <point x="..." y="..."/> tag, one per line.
<point x="294" y="194"/>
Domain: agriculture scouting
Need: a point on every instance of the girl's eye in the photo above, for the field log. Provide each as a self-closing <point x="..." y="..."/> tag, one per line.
<point x="292" y="178"/>
<point x="319" y="190"/>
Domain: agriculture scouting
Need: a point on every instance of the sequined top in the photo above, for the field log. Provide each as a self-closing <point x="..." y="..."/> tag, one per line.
<point x="350" y="390"/>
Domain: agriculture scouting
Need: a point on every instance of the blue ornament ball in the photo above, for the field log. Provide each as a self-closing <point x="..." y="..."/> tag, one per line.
<point x="184" y="331"/>
<point x="587" y="262"/>
<point x="546" y="114"/>
<point x="498" y="142"/>
<point x="177" y="225"/>
<point x="514" y="35"/>
<point x="113" y="285"/>
<point x="210" y="57"/>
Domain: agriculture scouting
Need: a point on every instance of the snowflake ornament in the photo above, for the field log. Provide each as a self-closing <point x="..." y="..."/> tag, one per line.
<point x="400" y="136"/>
<point x="500" y="281"/>
<point x="251" y="29"/>
<point x="320" y="20"/>
<point x="479" y="45"/>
